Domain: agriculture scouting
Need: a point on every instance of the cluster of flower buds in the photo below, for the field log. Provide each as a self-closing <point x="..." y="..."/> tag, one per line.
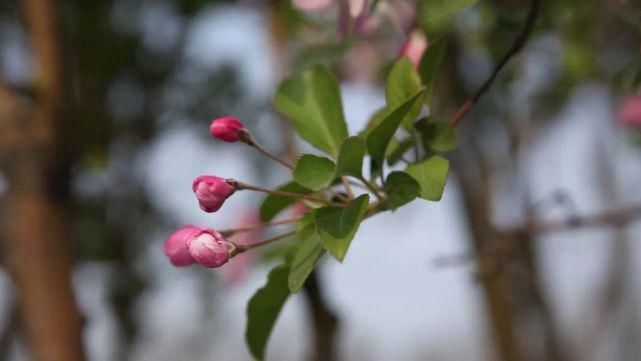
<point x="205" y="246"/>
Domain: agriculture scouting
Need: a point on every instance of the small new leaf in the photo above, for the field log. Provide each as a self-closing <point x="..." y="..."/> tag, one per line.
<point x="401" y="189"/>
<point x="430" y="66"/>
<point x="338" y="225"/>
<point x="397" y="149"/>
<point x="263" y="310"/>
<point x="314" y="172"/>
<point x="431" y="175"/>
<point x="379" y="138"/>
<point x="403" y="82"/>
<point x="438" y="136"/>
<point x="350" y="158"/>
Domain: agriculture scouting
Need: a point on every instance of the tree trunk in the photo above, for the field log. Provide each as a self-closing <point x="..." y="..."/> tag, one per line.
<point x="35" y="240"/>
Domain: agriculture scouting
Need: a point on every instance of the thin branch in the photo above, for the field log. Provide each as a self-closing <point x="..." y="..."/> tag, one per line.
<point x="253" y="227"/>
<point x="243" y="248"/>
<point x="610" y="218"/>
<point x="348" y="188"/>
<point x="251" y="142"/>
<point x="518" y="44"/>
<point x="371" y="187"/>
<point x="241" y="186"/>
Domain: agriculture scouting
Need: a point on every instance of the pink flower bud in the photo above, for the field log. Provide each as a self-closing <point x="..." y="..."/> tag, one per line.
<point x="211" y="249"/>
<point x="311" y="5"/>
<point x="227" y="128"/>
<point x="414" y="47"/>
<point x="629" y="112"/>
<point x="211" y="192"/>
<point x="176" y="246"/>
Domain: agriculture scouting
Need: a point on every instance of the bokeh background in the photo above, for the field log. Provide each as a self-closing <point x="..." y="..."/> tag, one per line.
<point x="104" y="114"/>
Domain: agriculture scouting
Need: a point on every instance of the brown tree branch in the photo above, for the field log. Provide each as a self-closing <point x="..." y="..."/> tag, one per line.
<point x="609" y="218"/>
<point x="517" y="45"/>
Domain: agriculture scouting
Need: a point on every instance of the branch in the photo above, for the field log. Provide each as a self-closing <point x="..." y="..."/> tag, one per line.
<point x="611" y="218"/>
<point x="518" y="44"/>
<point x="616" y="217"/>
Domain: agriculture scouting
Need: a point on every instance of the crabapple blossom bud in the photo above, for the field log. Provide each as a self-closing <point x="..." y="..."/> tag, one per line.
<point x="176" y="245"/>
<point x="211" y="249"/>
<point x="629" y="112"/>
<point x="311" y="5"/>
<point x="211" y="192"/>
<point x="414" y="47"/>
<point x="227" y="128"/>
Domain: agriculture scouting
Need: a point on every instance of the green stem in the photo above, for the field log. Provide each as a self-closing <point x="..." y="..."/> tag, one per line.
<point x="371" y="187"/>
<point x="241" y="186"/>
<point x="243" y="248"/>
<point x="249" y="140"/>
<point x="232" y="231"/>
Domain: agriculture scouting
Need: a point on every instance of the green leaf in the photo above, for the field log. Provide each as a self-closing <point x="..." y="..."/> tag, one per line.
<point x="397" y="149"/>
<point x="263" y="310"/>
<point x="403" y="82"/>
<point x="350" y="158"/>
<point x="438" y="136"/>
<point x="401" y="189"/>
<point x="308" y="255"/>
<point x="314" y="172"/>
<point x="436" y="15"/>
<point x="431" y="175"/>
<point x="338" y="225"/>
<point x="430" y="66"/>
<point x="273" y="204"/>
<point x="311" y="100"/>
<point x="379" y="138"/>
<point x="375" y="120"/>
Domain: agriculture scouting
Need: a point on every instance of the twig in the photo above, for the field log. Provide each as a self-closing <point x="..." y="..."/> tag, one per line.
<point x="253" y="227"/>
<point x="243" y="248"/>
<point x="371" y="187"/>
<point x="611" y="218"/>
<point x="348" y="188"/>
<point x="253" y="143"/>
<point x="614" y="217"/>
<point x="518" y="44"/>
<point x="240" y="186"/>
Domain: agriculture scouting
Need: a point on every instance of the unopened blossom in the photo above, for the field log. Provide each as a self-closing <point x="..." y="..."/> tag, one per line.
<point x="176" y="245"/>
<point x="211" y="192"/>
<point x="210" y="249"/>
<point x="192" y="244"/>
<point x="414" y="46"/>
<point x="629" y="112"/>
<point x="227" y="128"/>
